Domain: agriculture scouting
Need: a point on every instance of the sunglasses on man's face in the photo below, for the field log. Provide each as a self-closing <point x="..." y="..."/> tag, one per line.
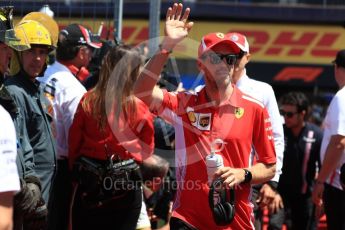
<point x="287" y="114"/>
<point x="216" y="58"/>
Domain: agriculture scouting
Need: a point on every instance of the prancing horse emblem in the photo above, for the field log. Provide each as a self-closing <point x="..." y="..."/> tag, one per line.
<point x="239" y="112"/>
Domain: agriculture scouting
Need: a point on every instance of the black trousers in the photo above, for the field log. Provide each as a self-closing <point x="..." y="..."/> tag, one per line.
<point x="120" y="214"/>
<point x="17" y="220"/>
<point x="276" y="220"/>
<point x="60" y="197"/>
<point x="334" y="201"/>
<point x="177" y="224"/>
<point x="299" y="213"/>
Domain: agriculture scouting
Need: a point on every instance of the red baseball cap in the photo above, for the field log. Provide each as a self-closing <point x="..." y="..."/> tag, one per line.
<point x="240" y="40"/>
<point x="210" y="40"/>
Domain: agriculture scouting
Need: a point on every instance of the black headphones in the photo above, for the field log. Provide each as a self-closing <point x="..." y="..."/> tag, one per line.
<point x="224" y="211"/>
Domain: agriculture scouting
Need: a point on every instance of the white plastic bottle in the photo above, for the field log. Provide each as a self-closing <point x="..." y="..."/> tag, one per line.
<point x="214" y="161"/>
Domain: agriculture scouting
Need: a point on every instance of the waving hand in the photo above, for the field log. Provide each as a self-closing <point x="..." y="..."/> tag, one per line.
<point x="176" y="25"/>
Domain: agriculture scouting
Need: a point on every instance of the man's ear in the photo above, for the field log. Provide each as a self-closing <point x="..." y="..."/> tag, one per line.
<point x="249" y="56"/>
<point x="200" y="65"/>
<point x="80" y="54"/>
<point x="244" y="61"/>
<point x="304" y="113"/>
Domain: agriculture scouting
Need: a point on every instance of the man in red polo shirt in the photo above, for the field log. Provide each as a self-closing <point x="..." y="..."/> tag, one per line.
<point x="219" y="111"/>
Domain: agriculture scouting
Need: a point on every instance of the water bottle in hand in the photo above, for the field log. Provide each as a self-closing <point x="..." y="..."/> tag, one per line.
<point x="214" y="161"/>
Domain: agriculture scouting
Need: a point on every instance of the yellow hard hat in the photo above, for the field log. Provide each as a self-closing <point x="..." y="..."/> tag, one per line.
<point x="47" y="21"/>
<point x="7" y="34"/>
<point x="34" y="33"/>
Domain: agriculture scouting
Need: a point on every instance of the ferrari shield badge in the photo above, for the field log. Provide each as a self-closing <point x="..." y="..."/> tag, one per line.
<point x="239" y="112"/>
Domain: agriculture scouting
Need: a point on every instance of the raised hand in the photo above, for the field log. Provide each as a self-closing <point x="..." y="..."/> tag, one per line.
<point x="176" y="25"/>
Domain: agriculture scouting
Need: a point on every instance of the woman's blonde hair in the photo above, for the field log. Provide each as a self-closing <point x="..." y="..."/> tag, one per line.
<point x="114" y="89"/>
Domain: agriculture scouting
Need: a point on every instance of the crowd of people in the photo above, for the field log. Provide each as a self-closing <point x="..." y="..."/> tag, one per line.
<point x="83" y="149"/>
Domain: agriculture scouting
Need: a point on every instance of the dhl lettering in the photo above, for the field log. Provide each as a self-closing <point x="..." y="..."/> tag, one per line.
<point x="327" y="39"/>
<point x="273" y="51"/>
<point x="142" y="35"/>
<point x="127" y="32"/>
<point x="322" y="47"/>
<point x="307" y="74"/>
<point x="285" y="40"/>
<point x="292" y="43"/>
<point x="296" y="52"/>
<point x="324" y="53"/>
<point x="289" y="40"/>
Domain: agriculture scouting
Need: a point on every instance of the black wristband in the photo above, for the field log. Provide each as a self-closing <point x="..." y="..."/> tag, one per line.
<point x="247" y="176"/>
<point x="272" y="184"/>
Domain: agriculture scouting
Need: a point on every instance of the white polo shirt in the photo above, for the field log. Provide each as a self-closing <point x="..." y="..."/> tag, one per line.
<point x="334" y="124"/>
<point x="264" y="93"/>
<point x="9" y="179"/>
<point x="64" y="91"/>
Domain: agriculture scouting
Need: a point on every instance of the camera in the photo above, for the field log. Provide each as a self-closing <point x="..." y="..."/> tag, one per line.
<point x="169" y="81"/>
<point x="115" y="182"/>
<point x="121" y="177"/>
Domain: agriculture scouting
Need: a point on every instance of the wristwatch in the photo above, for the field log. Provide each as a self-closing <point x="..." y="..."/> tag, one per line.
<point x="247" y="176"/>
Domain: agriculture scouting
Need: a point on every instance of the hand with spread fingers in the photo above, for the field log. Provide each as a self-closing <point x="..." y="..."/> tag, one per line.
<point x="176" y="25"/>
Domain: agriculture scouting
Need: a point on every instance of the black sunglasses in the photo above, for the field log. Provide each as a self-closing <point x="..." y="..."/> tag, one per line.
<point x="216" y="58"/>
<point x="288" y="114"/>
<point x="241" y="54"/>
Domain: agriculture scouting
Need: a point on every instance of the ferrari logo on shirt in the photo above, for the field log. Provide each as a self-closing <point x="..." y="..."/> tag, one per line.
<point x="239" y="112"/>
<point x="201" y="121"/>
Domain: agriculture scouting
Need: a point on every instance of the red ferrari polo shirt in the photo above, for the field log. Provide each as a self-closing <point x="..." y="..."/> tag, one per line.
<point x="240" y="122"/>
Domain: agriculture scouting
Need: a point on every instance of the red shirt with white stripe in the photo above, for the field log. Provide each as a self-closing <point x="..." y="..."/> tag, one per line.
<point x="239" y="122"/>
